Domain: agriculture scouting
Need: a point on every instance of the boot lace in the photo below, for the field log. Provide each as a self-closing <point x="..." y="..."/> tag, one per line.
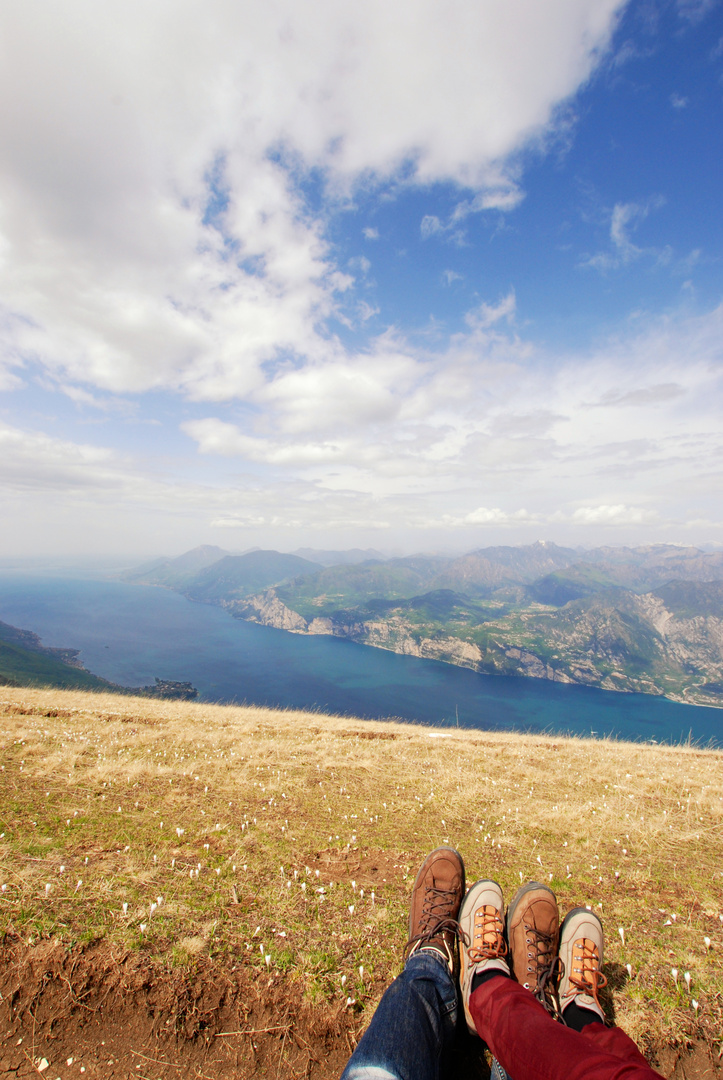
<point x="546" y="966"/>
<point x="588" y="978"/>
<point x="488" y="930"/>
<point x="435" y="921"/>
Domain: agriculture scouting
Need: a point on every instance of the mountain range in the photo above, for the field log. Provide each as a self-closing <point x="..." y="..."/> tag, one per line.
<point x="646" y="619"/>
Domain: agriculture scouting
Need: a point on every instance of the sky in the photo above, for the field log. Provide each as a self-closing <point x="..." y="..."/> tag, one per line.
<point x="421" y="276"/>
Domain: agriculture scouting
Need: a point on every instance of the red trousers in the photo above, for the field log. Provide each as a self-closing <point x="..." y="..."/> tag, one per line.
<point x="530" y="1045"/>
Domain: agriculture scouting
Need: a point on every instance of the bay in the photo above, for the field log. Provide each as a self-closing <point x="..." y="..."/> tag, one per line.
<point x="131" y="634"/>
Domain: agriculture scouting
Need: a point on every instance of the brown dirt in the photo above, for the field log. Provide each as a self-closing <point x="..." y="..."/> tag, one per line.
<point x="122" y="1015"/>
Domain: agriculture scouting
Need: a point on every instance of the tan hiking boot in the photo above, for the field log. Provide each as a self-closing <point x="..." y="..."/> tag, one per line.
<point x="581" y="952"/>
<point x="436" y="897"/>
<point x="483" y="946"/>
<point x="533" y="922"/>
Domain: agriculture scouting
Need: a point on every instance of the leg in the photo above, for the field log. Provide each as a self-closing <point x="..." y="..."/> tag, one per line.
<point x="415" y="1021"/>
<point x="530" y="1045"/>
<point x="513" y="1020"/>
<point x="412" y="1027"/>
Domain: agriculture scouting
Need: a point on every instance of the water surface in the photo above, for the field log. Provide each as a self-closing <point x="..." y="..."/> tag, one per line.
<point x="130" y="634"/>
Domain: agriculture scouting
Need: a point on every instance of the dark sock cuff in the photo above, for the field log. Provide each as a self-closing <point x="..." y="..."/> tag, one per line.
<point x="484" y="976"/>
<point x="577" y="1017"/>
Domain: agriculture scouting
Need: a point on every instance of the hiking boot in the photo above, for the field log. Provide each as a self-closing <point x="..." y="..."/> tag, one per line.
<point x="436" y="897"/>
<point x="483" y="948"/>
<point x="581" y="952"/>
<point x="532" y="933"/>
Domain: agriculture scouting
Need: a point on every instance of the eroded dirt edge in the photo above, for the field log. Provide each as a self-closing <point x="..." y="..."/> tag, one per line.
<point x="92" y="1012"/>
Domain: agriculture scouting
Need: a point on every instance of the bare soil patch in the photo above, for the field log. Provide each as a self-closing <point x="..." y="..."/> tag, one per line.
<point x="94" y="1012"/>
<point x="120" y="1015"/>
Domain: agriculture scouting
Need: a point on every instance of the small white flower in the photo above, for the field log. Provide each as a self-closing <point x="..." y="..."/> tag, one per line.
<point x="351" y="906"/>
<point x="48" y="888"/>
<point x="62" y="869"/>
<point x="687" y="980"/>
<point x="361" y="972"/>
<point x="142" y="927"/>
<point x="621" y="931"/>
<point x="125" y="908"/>
<point x="694" y="1003"/>
<point x="674" y="973"/>
<point x="267" y="958"/>
<point x="343" y="981"/>
<point x="629" y="970"/>
<point x="706" y="940"/>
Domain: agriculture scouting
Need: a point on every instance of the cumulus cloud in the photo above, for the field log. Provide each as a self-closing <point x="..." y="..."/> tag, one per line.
<point x="485" y="434"/>
<point x="154" y="232"/>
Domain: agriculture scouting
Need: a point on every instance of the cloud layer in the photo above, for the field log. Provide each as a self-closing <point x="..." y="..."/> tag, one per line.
<point x="170" y="177"/>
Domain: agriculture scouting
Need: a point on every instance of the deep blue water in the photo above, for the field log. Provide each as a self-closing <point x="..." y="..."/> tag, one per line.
<point x="130" y="634"/>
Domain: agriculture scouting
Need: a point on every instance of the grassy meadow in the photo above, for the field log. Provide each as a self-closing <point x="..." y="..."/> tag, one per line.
<point x="287" y="842"/>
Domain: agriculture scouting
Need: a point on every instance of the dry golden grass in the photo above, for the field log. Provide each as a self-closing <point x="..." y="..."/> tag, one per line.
<point x="288" y="841"/>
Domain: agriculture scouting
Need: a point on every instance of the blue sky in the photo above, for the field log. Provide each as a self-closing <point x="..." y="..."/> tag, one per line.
<point x="412" y="276"/>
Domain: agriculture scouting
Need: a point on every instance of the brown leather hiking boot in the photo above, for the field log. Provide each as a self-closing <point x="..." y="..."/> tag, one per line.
<point x="581" y="952"/>
<point x="533" y="924"/>
<point x="436" y="897"/>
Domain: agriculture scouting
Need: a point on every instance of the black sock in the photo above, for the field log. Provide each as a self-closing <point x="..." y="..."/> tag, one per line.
<point x="577" y="1017"/>
<point x="484" y="976"/>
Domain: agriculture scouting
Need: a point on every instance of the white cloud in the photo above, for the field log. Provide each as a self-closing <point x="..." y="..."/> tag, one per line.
<point x="152" y="230"/>
<point x="484" y="516"/>
<point x="613" y="515"/>
<point x="430" y="225"/>
<point x="485" y="434"/>
<point x="487" y="315"/>
<point x="695" y="10"/>
<point x="624" y="218"/>
<point x="370" y="233"/>
<point x="450" y="276"/>
<point x="678" y="101"/>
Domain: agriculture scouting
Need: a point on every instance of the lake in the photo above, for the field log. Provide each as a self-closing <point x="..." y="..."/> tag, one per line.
<point x="130" y="634"/>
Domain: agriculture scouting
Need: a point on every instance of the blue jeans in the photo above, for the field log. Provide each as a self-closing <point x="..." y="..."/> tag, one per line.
<point x="413" y="1027"/>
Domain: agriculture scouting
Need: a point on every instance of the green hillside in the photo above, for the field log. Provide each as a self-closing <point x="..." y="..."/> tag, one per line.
<point x="23" y="666"/>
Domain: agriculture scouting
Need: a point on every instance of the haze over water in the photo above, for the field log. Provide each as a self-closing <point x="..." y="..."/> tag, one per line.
<point x="131" y="634"/>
